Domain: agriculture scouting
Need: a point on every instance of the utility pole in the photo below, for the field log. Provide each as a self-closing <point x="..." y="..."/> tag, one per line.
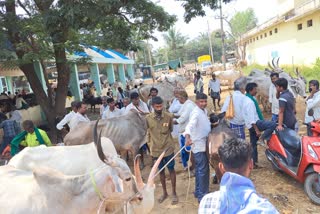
<point x="210" y="43"/>
<point x="222" y="38"/>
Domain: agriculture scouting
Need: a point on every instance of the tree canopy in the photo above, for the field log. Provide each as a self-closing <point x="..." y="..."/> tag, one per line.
<point x="195" y="8"/>
<point x="45" y="29"/>
<point x="242" y="22"/>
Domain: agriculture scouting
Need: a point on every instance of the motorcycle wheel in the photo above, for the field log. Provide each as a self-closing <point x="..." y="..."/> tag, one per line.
<point x="309" y="188"/>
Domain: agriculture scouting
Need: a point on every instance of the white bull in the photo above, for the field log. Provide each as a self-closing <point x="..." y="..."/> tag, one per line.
<point x="49" y="191"/>
<point x="229" y="75"/>
<point x="66" y="159"/>
<point x="262" y="78"/>
<point x="114" y="180"/>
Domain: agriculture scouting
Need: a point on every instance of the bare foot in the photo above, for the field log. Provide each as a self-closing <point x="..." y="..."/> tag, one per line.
<point x="174" y="200"/>
<point x="162" y="198"/>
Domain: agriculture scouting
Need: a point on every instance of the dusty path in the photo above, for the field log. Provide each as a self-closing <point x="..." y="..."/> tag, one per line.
<point x="285" y="193"/>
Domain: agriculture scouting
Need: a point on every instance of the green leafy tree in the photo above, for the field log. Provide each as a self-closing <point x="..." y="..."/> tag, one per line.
<point x="175" y="43"/>
<point x="47" y="28"/>
<point x="239" y="24"/>
<point x="194" y="8"/>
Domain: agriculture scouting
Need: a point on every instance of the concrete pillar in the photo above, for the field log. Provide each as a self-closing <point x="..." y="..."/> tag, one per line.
<point x="1" y="86"/>
<point x="122" y="75"/>
<point x="39" y="71"/>
<point x="95" y="77"/>
<point x="9" y="84"/>
<point x="110" y="72"/>
<point x="130" y="71"/>
<point x="74" y="83"/>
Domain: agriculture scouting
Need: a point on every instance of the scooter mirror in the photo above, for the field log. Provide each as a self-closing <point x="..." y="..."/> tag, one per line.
<point x="310" y="112"/>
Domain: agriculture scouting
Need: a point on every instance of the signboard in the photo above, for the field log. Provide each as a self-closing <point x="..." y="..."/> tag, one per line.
<point x="204" y="58"/>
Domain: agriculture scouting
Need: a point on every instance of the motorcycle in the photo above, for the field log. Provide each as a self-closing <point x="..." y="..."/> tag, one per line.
<point x="299" y="157"/>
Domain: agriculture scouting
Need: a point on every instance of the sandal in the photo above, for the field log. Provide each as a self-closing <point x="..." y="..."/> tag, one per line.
<point x="174" y="200"/>
<point x="162" y="198"/>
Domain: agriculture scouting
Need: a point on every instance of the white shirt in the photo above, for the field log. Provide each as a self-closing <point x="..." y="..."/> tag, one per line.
<point x="273" y="98"/>
<point x="66" y="120"/>
<point x="120" y="97"/>
<point x="198" y="128"/>
<point x="214" y="85"/>
<point x="110" y="114"/>
<point x="123" y="110"/>
<point x="184" y="114"/>
<point x="199" y="84"/>
<point x="76" y="119"/>
<point x="313" y="103"/>
<point x="250" y="114"/>
<point x="19" y="102"/>
<point x="142" y="107"/>
<point x="174" y="108"/>
<point x="238" y="103"/>
<point x="103" y="109"/>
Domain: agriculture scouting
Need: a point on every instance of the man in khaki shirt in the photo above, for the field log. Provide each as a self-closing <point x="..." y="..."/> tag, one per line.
<point x="160" y="128"/>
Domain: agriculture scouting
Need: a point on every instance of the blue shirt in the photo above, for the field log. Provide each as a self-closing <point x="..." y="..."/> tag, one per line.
<point x="237" y="195"/>
<point x="10" y="128"/>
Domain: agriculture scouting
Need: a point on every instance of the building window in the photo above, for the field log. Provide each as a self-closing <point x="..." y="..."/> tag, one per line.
<point x="300" y="26"/>
<point x="265" y="34"/>
<point x="270" y="32"/>
<point x="309" y="23"/>
<point x="254" y="39"/>
<point x="250" y="40"/>
<point x="261" y="36"/>
<point x="257" y="37"/>
<point x="276" y="30"/>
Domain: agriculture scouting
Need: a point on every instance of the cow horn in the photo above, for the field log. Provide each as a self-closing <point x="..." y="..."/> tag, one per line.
<point x="154" y="170"/>
<point x="97" y="140"/>
<point x="273" y="63"/>
<point x="137" y="172"/>
<point x="278" y="61"/>
<point x="270" y="66"/>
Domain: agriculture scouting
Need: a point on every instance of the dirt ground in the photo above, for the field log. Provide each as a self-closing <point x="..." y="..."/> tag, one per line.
<point x="286" y="194"/>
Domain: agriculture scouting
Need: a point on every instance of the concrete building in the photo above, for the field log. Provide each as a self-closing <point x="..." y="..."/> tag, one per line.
<point x="293" y="35"/>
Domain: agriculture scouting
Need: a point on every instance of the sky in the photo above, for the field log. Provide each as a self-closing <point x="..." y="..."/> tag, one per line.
<point x="264" y="9"/>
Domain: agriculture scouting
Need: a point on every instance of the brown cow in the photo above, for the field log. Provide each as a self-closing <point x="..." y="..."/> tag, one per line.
<point x="127" y="132"/>
<point x="219" y="133"/>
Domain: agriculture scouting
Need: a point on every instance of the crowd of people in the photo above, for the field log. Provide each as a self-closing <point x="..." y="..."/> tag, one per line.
<point x="188" y="122"/>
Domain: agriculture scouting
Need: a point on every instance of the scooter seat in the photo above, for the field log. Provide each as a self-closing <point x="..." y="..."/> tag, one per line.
<point x="289" y="139"/>
<point x="291" y="142"/>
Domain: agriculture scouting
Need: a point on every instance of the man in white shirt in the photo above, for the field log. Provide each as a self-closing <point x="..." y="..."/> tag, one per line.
<point x="104" y="105"/>
<point x="174" y="109"/>
<point x="142" y="108"/>
<point x="80" y="116"/>
<point x="112" y="111"/>
<point x="69" y="116"/>
<point x="199" y="83"/>
<point x="137" y="104"/>
<point x="196" y="133"/>
<point x="126" y="102"/>
<point x="254" y="124"/>
<point x="187" y="107"/>
<point x="237" y="122"/>
<point x="214" y="90"/>
<point x="313" y="102"/>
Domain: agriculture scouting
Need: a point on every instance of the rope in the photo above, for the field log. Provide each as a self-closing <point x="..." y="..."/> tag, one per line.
<point x="94" y="184"/>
